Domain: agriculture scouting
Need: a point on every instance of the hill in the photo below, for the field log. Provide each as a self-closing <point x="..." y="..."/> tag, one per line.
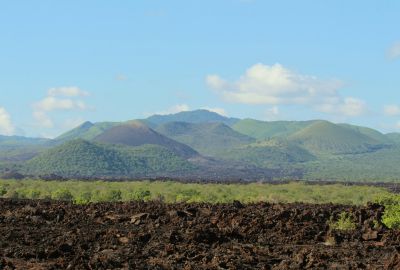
<point x="206" y="138"/>
<point x="231" y="149"/>
<point x="21" y="141"/>
<point x="272" y="153"/>
<point x="378" y="166"/>
<point x="18" y="148"/>
<point x="135" y="133"/>
<point x="372" y="133"/>
<point x="326" y="137"/>
<point x="80" y="158"/>
<point x="85" y="131"/>
<point x="264" y="130"/>
<point x="394" y="137"/>
<point x="197" y="116"/>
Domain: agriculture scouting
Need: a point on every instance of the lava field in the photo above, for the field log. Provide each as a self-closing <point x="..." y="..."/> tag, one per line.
<point x="153" y="235"/>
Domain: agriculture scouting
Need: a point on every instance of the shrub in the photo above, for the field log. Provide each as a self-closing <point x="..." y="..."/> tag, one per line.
<point x="344" y="223"/>
<point x="83" y="198"/>
<point x="3" y="190"/>
<point x="34" y="194"/>
<point x="391" y="215"/>
<point x="140" y="195"/>
<point x="188" y="195"/>
<point x="112" y="195"/>
<point x="13" y="194"/>
<point x="62" y="195"/>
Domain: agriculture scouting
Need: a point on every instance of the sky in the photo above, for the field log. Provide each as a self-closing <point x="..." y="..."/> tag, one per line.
<point x="65" y="62"/>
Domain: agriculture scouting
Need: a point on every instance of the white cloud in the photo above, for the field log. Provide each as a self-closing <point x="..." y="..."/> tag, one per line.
<point x="394" y="51"/>
<point x="52" y="103"/>
<point x="71" y="91"/>
<point x="6" y="126"/>
<point x="43" y="119"/>
<point x="220" y="111"/>
<point x="277" y="85"/>
<point x="349" y="106"/>
<point x="58" y="99"/>
<point x="352" y="107"/>
<point x="391" y="110"/>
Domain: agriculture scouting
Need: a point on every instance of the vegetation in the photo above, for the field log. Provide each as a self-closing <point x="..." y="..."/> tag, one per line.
<point x="264" y="130"/>
<point x="378" y="166"/>
<point x="86" y="131"/>
<point x="19" y="153"/>
<point x="206" y="138"/>
<point x="394" y="137"/>
<point x="197" y="116"/>
<point x="326" y="137"/>
<point x="19" y="141"/>
<point x="135" y="133"/>
<point x="306" y="150"/>
<point x="345" y="222"/>
<point x="269" y="154"/>
<point x="391" y="216"/>
<point x="372" y="133"/>
<point x="170" y="192"/>
<point x="81" y="158"/>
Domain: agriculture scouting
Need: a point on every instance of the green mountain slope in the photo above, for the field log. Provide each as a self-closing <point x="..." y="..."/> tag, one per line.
<point x="379" y="166"/>
<point x="269" y="154"/>
<point x="86" y="131"/>
<point x="197" y="116"/>
<point x="264" y="130"/>
<point x="21" y="141"/>
<point x="394" y="137"/>
<point x="135" y="133"/>
<point x="206" y="138"/>
<point x="17" y="148"/>
<point x="161" y="146"/>
<point x="326" y="137"/>
<point x="80" y="158"/>
<point x="372" y="133"/>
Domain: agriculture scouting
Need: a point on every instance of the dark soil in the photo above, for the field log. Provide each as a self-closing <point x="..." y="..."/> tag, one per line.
<point x="57" y="235"/>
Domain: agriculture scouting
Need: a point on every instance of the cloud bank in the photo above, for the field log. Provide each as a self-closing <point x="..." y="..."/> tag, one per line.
<point x="276" y="85"/>
<point x="394" y="51"/>
<point x="6" y="126"/>
<point x="67" y="92"/>
<point x="58" y="99"/>
<point x="391" y="110"/>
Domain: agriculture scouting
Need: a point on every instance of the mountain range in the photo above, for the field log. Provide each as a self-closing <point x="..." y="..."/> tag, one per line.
<point x="205" y="145"/>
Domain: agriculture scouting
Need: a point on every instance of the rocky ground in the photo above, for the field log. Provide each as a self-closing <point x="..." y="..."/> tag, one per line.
<point x="57" y="235"/>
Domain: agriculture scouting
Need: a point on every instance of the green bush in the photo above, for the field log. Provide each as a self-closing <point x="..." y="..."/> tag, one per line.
<point x="188" y="195"/>
<point x="344" y="223"/>
<point x="62" y="194"/>
<point x="391" y="215"/>
<point x="82" y="192"/>
<point x="83" y="198"/>
<point x="140" y="195"/>
<point x="13" y="194"/>
<point x="112" y="195"/>
<point x="34" y="194"/>
<point x="3" y="190"/>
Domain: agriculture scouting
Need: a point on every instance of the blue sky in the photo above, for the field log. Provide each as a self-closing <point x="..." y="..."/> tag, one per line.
<point x="63" y="62"/>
